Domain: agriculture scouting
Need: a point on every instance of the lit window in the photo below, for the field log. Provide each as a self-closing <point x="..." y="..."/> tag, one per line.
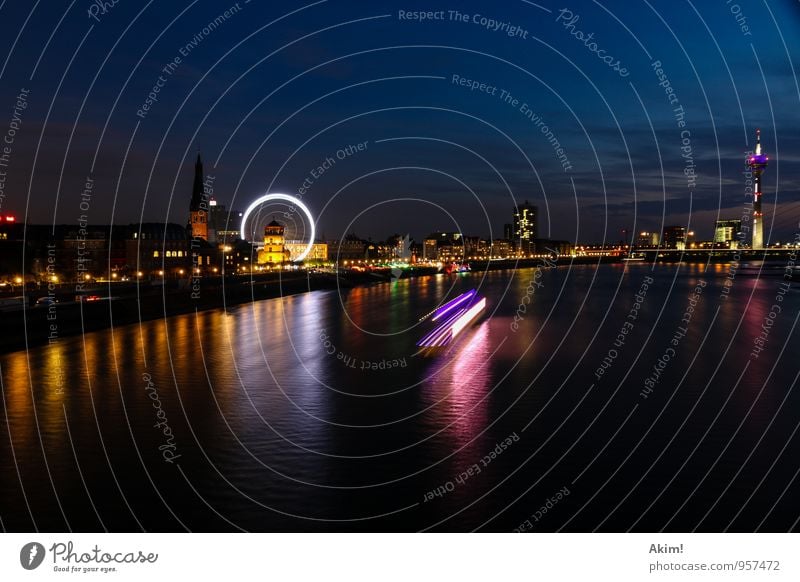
<point x="155" y="254"/>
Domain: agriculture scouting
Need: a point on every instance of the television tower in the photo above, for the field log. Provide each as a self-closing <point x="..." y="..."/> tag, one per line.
<point x="758" y="163"/>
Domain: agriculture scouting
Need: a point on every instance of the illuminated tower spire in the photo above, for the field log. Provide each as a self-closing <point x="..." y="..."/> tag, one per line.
<point x="198" y="207"/>
<point x="758" y="163"/>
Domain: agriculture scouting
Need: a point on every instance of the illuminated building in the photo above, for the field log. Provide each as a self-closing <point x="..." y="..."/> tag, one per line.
<point x="758" y="163"/>
<point x="236" y="256"/>
<point x="350" y="248"/>
<point x="204" y="257"/>
<point x="674" y="237"/>
<point x="525" y="226"/>
<point x="476" y="247"/>
<point x="155" y="247"/>
<point x="274" y="251"/>
<point x="444" y="246"/>
<point x="501" y="248"/>
<point x="318" y="252"/>
<point x="647" y="239"/>
<point x="727" y="232"/>
<point x="430" y="249"/>
<point x="380" y="251"/>
<point x="198" y="208"/>
<point x="400" y="247"/>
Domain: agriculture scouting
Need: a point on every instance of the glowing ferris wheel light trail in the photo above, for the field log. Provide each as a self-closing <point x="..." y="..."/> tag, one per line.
<point x="294" y="201"/>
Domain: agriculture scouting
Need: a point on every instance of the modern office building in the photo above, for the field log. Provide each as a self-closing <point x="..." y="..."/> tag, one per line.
<point x="525" y="227"/>
<point x="727" y="232"/>
<point x="674" y="237"/>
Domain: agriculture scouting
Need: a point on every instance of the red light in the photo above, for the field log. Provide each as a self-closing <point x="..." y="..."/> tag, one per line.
<point x="10" y="219"/>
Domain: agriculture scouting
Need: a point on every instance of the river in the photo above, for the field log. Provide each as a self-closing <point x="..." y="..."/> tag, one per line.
<point x="609" y="398"/>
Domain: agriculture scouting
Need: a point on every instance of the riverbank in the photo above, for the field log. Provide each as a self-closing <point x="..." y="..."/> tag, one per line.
<point x="118" y="305"/>
<point x="126" y="304"/>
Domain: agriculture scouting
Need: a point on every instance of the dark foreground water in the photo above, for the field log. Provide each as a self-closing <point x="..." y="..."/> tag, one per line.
<point x="313" y="413"/>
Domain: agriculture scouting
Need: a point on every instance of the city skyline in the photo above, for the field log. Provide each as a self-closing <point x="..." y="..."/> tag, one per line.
<point x="210" y="221"/>
<point x="412" y="132"/>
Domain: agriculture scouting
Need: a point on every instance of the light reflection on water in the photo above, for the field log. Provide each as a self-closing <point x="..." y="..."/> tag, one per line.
<point x="262" y="411"/>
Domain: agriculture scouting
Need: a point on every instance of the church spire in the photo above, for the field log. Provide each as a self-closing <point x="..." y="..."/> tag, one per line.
<point x="197" y="187"/>
<point x="198" y="207"/>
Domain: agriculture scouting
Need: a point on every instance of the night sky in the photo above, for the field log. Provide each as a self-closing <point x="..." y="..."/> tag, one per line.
<point x="277" y="87"/>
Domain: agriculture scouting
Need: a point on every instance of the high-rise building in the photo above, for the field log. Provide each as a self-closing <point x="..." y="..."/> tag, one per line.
<point x="646" y="239"/>
<point x="525" y="226"/>
<point x="727" y="231"/>
<point x="758" y="163"/>
<point x="198" y="208"/>
<point x="674" y="237"/>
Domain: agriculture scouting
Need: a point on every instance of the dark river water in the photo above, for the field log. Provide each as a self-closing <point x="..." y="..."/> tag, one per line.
<point x="586" y="398"/>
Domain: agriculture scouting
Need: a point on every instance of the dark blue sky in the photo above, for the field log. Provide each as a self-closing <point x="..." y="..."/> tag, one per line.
<point x="267" y="100"/>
